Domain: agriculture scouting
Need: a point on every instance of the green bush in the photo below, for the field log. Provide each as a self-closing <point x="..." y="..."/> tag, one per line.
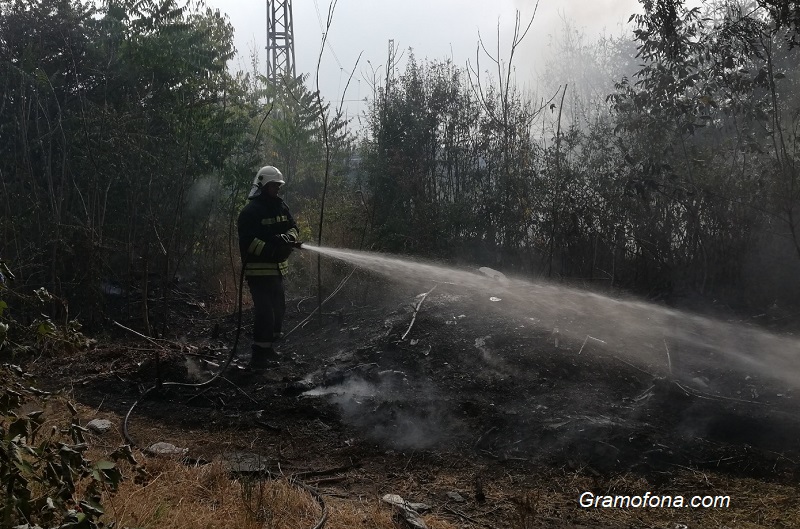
<point x="43" y="333"/>
<point x="41" y="471"/>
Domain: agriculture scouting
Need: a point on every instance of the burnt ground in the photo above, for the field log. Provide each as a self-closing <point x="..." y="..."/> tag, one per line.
<point x="473" y="400"/>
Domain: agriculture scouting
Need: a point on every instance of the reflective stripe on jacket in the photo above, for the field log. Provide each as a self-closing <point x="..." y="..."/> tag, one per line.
<point x="259" y="222"/>
<point x="266" y="269"/>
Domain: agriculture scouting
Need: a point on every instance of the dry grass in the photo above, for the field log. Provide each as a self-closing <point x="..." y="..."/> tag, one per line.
<point x="372" y="514"/>
<point x="179" y="497"/>
<point x="176" y="496"/>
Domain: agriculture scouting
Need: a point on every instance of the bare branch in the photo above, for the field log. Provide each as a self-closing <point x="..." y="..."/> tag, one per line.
<point x="326" y="140"/>
<point x="349" y="79"/>
<point x="483" y="47"/>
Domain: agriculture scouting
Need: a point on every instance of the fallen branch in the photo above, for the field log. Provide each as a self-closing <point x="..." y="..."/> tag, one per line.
<point x="669" y="359"/>
<point x="466" y="518"/>
<point x="699" y="394"/>
<point x="587" y="339"/>
<point x="416" y="311"/>
<point x="140" y="335"/>
<point x="484" y="435"/>
<point x="315" y="473"/>
<point x="267" y="426"/>
<point x="326" y="481"/>
<point x="651" y="375"/>
<point x="299" y="303"/>
<point x="156" y="354"/>
<point x="161" y="343"/>
<point x="243" y="392"/>
<point x="198" y="395"/>
<point x="85" y="380"/>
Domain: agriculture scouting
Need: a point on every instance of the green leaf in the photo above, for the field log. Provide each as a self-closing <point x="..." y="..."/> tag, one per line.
<point x="3" y="306"/>
<point x="25" y="467"/>
<point x="92" y="507"/>
<point x="107" y="472"/>
<point x="105" y="465"/>
<point x="46" y="328"/>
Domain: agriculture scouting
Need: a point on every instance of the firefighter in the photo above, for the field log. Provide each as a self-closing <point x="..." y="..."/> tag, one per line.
<point x="267" y="235"/>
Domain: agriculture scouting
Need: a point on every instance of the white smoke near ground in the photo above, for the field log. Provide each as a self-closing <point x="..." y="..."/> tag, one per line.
<point x="391" y="410"/>
<point x="194" y="371"/>
<point x="642" y="333"/>
<point x="201" y="194"/>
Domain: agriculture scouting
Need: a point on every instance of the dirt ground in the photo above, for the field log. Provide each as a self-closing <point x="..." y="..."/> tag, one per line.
<point x="471" y="409"/>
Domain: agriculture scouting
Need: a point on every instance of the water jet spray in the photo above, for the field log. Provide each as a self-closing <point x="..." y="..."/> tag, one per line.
<point x="636" y="330"/>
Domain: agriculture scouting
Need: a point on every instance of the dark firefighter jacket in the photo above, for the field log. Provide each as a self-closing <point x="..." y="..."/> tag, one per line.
<point x="260" y="221"/>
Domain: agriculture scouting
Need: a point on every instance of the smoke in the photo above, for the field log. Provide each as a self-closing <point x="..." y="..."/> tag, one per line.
<point x="392" y="410"/>
<point x="201" y="195"/>
<point x="194" y="371"/>
<point x="596" y="18"/>
<point x="595" y="15"/>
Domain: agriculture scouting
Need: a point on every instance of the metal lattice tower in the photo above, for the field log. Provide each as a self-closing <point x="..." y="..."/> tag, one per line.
<point x="280" y="40"/>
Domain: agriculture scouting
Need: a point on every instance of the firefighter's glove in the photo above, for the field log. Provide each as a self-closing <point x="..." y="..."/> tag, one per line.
<point x="293" y="241"/>
<point x="284" y="239"/>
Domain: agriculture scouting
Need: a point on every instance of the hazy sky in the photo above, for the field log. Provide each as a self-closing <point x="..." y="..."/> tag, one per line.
<point x="435" y="29"/>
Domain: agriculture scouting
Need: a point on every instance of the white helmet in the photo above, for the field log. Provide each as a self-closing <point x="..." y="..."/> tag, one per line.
<point x="264" y="176"/>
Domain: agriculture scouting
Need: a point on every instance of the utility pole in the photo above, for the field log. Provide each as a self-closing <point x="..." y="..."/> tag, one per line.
<point x="280" y="41"/>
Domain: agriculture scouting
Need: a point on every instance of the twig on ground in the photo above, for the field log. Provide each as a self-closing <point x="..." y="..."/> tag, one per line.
<point x="243" y="392"/>
<point x="587" y="339"/>
<point x="358" y="366"/>
<point x="484" y="435"/>
<point x="466" y="517"/>
<point x="694" y="471"/>
<point x="267" y="426"/>
<point x="327" y="471"/>
<point x="325" y="481"/>
<point x="644" y="394"/>
<point x="707" y="396"/>
<point x="416" y="311"/>
<point x="669" y="360"/>
<point x="84" y="380"/>
<point x="299" y="303"/>
<point x="137" y="333"/>
<point x="633" y="366"/>
<point x="198" y="395"/>
<point x="205" y="356"/>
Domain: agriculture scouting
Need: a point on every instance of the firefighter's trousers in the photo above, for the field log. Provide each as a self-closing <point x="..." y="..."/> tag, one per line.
<point x="269" y="302"/>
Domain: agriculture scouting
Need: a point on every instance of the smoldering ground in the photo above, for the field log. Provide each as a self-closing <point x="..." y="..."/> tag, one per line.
<point x="387" y="407"/>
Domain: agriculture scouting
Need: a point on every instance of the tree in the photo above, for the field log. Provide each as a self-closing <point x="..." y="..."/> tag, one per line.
<point x="107" y="118"/>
